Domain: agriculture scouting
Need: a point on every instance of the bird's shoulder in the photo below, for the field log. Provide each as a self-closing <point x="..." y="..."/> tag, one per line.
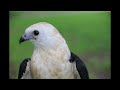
<point x="22" y="67"/>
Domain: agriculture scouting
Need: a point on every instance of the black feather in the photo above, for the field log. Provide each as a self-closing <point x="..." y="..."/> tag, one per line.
<point x="82" y="70"/>
<point x="22" y="67"/>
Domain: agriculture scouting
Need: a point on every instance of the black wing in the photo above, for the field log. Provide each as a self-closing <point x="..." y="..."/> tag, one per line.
<point x="82" y="70"/>
<point x="22" y="67"/>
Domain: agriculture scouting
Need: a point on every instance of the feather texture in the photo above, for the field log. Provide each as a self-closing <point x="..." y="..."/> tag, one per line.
<point x="51" y="55"/>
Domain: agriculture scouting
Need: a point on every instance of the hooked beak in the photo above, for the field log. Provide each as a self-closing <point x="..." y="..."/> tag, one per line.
<point x="23" y="38"/>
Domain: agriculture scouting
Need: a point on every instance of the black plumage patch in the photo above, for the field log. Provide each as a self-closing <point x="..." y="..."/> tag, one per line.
<point x="82" y="70"/>
<point x="22" y="67"/>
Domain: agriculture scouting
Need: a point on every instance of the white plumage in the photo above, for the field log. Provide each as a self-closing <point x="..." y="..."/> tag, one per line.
<point x="51" y="55"/>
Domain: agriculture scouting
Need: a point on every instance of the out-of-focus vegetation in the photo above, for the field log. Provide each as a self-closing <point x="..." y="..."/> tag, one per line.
<point x="88" y="34"/>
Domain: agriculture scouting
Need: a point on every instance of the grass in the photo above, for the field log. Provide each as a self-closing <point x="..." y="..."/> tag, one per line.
<point x="84" y="32"/>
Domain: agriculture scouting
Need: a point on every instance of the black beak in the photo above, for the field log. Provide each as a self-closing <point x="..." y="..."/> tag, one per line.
<point x="21" y="40"/>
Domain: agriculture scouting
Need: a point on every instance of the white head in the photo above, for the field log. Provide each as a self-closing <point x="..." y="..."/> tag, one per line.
<point x="43" y="35"/>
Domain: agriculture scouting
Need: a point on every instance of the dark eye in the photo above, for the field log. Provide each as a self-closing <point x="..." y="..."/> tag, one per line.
<point x="36" y="32"/>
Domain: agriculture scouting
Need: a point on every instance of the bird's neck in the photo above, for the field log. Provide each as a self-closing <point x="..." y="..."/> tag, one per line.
<point x="49" y="54"/>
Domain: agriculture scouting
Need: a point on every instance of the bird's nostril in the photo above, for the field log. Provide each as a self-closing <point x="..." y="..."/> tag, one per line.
<point x="24" y="35"/>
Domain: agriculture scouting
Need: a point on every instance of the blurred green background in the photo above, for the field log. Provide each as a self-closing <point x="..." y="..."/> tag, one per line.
<point x="87" y="33"/>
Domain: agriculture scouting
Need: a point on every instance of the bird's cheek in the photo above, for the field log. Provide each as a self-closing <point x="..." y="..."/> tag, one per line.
<point x="32" y="40"/>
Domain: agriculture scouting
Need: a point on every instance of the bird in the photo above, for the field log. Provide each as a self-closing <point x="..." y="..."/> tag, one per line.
<point x="51" y="58"/>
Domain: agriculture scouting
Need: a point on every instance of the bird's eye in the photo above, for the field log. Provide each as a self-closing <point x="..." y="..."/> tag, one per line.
<point x="36" y="32"/>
